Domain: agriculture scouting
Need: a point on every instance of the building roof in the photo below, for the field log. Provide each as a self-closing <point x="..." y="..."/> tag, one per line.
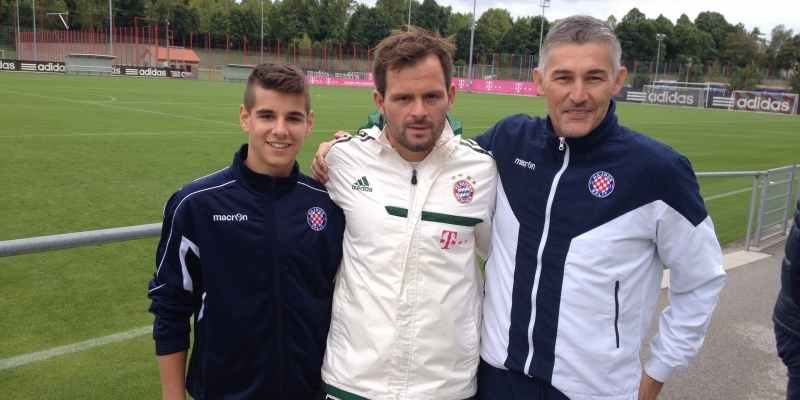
<point x="177" y="54"/>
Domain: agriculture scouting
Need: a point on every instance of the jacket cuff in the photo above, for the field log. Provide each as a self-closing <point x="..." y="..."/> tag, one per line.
<point x="657" y="370"/>
<point x="170" y="346"/>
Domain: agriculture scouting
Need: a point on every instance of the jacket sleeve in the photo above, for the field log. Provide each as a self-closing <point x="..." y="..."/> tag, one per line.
<point x="176" y="287"/>
<point x="483" y="231"/>
<point x="485" y="139"/>
<point x="793" y="256"/>
<point x="687" y="244"/>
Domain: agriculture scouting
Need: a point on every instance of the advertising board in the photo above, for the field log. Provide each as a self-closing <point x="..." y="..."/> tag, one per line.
<point x="773" y="103"/>
<point x="674" y="96"/>
<point x="32" y="66"/>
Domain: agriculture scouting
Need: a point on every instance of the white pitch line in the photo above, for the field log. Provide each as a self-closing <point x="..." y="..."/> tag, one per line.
<point x="72" y="348"/>
<point x="123" y="108"/>
<point x="719" y="196"/>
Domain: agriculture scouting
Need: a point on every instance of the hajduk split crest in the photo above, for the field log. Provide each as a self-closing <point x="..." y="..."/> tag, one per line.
<point x="601" y="184"/>
<point x="317" y="218"/>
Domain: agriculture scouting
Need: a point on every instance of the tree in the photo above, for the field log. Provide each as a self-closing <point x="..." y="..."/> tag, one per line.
<point x="638" y="38"/>
<point x="428" y="17"/>
<point x="492" y="25"/>
<point x="331" y="20"/>
<point x="392" y="14"/>
<point x="6" y="13"/>
<point x="747" y="78"/>
<point x="642" y="76"/>
<point x="794" y="81"/>
<point x="634" y="15"/>
<point x="126" y="10"/>
<point x="289" y="20"/>
<point x="669" y="47"/>
<point x="522" y="37"/>
<point x="738" y="47"/>
<point x="780" y="37"/>
<point x="714" y="24"/>
<point x="460" y="26"/>
<point x="696" y="73"/>
<point x="611" y="21"/>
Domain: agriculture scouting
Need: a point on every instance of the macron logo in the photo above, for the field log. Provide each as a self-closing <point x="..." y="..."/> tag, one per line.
<point x="526" y="164"/>
<point x="237" y="217"/>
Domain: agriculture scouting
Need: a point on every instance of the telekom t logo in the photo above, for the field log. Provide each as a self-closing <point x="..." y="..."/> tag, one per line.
<point x="518" y="87"/>
<point x="450" y="238"/>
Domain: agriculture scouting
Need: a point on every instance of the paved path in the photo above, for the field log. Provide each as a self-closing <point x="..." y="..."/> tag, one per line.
<point x="738" y="359"/>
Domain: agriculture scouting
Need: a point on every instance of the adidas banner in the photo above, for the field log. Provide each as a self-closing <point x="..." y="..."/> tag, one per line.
<point x="774" y="103"/>
<point x="32" y="66"/>
<point x="674" y="96"/>
<point x="147" y="72"/>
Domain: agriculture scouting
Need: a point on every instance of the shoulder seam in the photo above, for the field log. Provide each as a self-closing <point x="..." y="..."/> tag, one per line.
<point x="362" y="136"/>
<point x="311" y="187"/>
<point x="172" y="223"/>
<point x="472" y="145"/>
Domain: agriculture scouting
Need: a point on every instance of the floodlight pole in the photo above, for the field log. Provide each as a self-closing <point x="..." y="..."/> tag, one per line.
<point x="659" y="38"/>
<point x="471" y="41"/>
<point x="110" y="30"/>
<point x="19" y="39"/>
<point x="544" y="4"/>
<point x="33" y="12"/>
<point x="261" y="52"/>
<point x="409" y="15"/>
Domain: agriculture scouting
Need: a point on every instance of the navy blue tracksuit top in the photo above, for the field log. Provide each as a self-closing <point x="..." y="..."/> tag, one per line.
<point x="253" y="259"/>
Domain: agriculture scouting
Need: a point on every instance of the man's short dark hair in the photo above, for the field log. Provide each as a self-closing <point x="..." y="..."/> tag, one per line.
<point x="278" y="76"/>
<point x="408" y="48"/>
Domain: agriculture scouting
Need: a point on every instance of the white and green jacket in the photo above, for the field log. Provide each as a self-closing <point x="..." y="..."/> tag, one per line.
<point x="407" y="302"/>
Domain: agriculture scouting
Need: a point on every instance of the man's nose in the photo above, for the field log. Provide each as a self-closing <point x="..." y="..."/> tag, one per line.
<point x="578" y="93"/>
<point x="418" y="109"/>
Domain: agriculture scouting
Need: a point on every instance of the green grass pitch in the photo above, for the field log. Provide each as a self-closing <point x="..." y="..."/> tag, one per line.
<point x="85" y="153"/>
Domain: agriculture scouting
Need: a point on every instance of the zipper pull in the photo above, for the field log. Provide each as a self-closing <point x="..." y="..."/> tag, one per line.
<point x="273" y="183"/>
<point x="561" y="143"/>
<point x="414" y="177"/>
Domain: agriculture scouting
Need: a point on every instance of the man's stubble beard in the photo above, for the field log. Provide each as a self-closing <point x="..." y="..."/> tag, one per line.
<point x="402" y="138"/>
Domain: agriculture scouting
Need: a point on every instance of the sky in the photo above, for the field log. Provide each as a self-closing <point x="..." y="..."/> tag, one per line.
<point x="765" y="14"/>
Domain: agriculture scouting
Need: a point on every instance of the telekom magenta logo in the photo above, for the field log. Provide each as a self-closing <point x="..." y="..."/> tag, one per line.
<point x="450" y="238"/>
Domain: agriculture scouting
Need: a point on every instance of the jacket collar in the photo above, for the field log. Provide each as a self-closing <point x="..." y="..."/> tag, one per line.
<point x="261" y="184"/>
<point x="586" y="143"/>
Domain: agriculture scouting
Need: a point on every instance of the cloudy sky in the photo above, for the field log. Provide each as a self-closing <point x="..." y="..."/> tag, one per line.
<point x="765" y="14"/>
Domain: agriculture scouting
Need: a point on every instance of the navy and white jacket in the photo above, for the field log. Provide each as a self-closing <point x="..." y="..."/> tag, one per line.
<point x="582" y="230"/>
<point x="253" y="259"/>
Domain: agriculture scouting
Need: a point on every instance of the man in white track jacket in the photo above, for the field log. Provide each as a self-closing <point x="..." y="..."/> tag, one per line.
<point x="418" y="203"/>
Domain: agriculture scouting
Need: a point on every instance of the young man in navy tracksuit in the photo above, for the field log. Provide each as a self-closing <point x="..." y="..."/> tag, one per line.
<point x="250" y="253"/>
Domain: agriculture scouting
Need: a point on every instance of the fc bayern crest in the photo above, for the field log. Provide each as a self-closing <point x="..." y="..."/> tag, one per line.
<point x="463" y="192"/>
<point x="601" y="184"/>
<point x="317" y="218"/>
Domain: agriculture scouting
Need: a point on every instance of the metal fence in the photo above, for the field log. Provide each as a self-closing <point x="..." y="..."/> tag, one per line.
<point x="774" y="209"/>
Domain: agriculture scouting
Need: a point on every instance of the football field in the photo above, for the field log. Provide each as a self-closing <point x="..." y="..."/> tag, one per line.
<point x="83" y="153"/>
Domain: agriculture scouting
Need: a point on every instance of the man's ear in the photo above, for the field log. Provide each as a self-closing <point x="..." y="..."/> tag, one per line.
<point x="623" y="72"/>
<point x="538" y="78"/>
<point x="309" y="123"/>
<point x="244" y="118"/>
<point x="378" y="99"/>
<point x="451" y="95"/>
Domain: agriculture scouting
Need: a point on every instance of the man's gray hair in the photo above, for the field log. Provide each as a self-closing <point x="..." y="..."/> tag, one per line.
<point x="580" y="30"/>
